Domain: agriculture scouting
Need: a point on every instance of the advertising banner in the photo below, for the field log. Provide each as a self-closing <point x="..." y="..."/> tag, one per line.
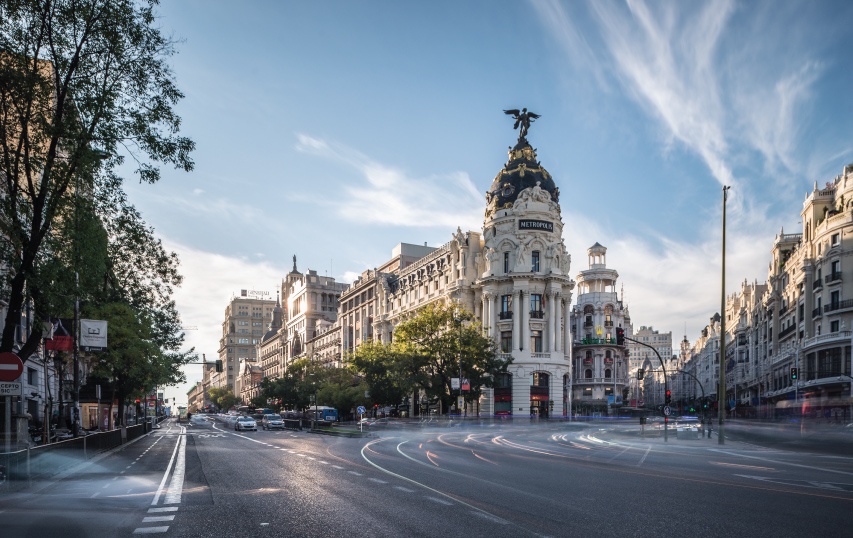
<point x="93" y="335"/>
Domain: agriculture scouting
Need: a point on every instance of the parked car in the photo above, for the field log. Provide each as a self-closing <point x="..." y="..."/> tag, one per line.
<point x="245" y="423"/>
<point x="272" y="422"/>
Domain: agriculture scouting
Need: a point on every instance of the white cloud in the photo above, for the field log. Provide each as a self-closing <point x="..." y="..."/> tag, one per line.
<point x="387" y="196"/>
<point x="210" y="280"/>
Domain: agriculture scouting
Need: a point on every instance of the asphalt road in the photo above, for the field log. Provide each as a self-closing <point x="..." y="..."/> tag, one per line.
<point x="526" y="480"/>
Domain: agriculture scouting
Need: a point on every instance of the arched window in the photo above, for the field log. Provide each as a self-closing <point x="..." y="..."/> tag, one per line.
<point x="587" y="373"/>
<point x="607" y="373"/>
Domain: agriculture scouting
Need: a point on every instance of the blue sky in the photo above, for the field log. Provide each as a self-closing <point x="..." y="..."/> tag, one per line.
<point x="335" y="130"/>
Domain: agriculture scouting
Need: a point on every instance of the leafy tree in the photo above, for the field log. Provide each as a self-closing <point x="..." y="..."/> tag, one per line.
<point x="342" y="389"/>
<point x="388" y="371"/>
<point x="75" y="74"/>
<point x="295" y="387"/>
<point x="131" y="359"/>
<point x="442" y="340"/>
<point x="222" y="397"/>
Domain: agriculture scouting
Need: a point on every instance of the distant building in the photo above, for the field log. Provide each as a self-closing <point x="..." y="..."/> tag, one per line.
<point x="649" y="390"/>
<point x="600" y="382"/>
<point x="245" y="320"/>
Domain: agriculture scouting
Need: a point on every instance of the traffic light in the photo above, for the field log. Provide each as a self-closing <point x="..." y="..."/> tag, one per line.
<point x="794" y="374"/>
<point x="620" y="336"/>
<point x="219" y="365"/>
<point x="640" y="373"/>
<point x="668" y="398"/>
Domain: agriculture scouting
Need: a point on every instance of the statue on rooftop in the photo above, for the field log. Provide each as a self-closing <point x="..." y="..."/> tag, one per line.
<point x="523" y="119"/>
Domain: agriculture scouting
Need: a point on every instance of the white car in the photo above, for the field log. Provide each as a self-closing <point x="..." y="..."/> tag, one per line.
<point x="272" y="422"/>
<point x="245" y="423"/>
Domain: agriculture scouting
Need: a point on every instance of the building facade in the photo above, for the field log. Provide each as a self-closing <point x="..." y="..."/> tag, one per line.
<point x="600" y="383"/>
<point x="242" y="330"/>
<point x="788" y="341"/>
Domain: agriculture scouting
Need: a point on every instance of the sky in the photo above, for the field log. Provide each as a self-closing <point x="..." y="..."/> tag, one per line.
<point x="335" y="130"/>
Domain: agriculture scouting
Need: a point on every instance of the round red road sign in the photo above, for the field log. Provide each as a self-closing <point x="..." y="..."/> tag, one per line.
<point x="11" y="367"/>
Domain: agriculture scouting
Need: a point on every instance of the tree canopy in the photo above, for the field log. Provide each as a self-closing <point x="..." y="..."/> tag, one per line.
<point x="439" y="342"/>
<point x="83" y="83"/>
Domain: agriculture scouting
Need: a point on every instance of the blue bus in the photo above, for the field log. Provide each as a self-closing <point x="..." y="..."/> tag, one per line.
<point x="322" y="412"/>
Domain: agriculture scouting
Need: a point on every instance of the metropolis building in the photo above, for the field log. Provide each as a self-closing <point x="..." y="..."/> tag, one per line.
<point x="514" y="277"/>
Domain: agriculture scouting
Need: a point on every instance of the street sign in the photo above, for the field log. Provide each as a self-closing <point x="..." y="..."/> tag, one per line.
<point x="361" y="410"/>
<point x="10" y="388"/>
<point x="11" y="367"/>
<point x="667" y="411"/>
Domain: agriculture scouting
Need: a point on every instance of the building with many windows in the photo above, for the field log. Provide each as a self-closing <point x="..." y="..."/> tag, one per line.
<point x="644" y="358"/>
<point x="245" y="320"/>
<point x="514" y="277"/>
<point x="600" y="380"/>
<point x="788" y="341"/>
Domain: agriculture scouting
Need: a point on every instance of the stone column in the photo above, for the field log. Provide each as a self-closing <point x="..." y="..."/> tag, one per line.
<point x="524" y="319"/>
<point x="494" y="317"/>
<point x="558" y="301"/>
<point x="567" y="334"/>
<point x="549" y="346"/>
<point x="516" y="313"/>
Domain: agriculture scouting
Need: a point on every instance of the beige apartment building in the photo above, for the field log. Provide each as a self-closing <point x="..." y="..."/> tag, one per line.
<point x="788" y="341"/>
<point x="244" y="324"/>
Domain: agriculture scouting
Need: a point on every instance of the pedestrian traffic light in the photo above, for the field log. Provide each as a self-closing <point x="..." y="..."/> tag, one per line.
<point x="794" y="374"/>
<point x="668" y="398"/>
<point x="620" y="336"/>
<point x="640" y="373"/>
<point x="219" y="365"/>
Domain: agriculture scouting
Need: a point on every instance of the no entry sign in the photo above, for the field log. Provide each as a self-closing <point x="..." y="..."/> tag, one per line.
<point x="11" y="367"/>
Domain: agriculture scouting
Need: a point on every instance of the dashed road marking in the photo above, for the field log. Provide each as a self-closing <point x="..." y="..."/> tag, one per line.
<point x="150" y="530"/>
<point x="157" y="519"/>
<point x="440" y="501"/>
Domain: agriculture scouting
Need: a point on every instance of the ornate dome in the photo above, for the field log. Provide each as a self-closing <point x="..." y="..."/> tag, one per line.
<point x="522" y="171"/>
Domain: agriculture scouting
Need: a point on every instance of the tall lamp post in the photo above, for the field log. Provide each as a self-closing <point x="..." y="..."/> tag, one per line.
<point x="721" y="396"/>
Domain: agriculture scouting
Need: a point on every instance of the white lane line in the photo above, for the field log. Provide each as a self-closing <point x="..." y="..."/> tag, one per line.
<point x="324" y="462"/>
<point x="163" y="509"/>
<point x="377" y="481"/>
<point x="355" y="473"/>
<point x="440" y="501"/>
<point x="337" y="466"/>
<point x="157" y="519"/>
<point x="176" y="486"/>
<point x="166" y="474"/>
<point x="407" y="490"/>
<point x="150" y="530"/>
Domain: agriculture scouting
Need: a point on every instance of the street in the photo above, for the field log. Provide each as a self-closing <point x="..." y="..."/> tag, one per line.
<point x="555" y="479"/>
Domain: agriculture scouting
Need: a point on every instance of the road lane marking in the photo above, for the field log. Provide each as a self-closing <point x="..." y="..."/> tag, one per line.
<point x="378" y="481"/>
<point x="176" y="486"/>
<point x="440" y="501"/>
<point x="355" y="473"/>
<point x="490" y="517"/>
<point x="150" y="530"/>
<point x="157" y="519"/>
<point x="163" y="509"/>
<point x="407" y="490"/>
<point x="166" y="474"/>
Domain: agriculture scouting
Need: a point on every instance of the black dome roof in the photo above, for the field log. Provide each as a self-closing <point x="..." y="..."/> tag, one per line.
<point x="522" y="171"/>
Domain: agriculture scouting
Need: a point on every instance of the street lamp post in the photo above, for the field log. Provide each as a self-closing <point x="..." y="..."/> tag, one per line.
<point x="721" y="396"/>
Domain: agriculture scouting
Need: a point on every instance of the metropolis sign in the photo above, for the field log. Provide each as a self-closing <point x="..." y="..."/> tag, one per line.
<point x="527" y="224"/>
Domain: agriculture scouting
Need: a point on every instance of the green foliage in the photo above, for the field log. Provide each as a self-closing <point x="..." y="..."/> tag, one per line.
<point x="222" y="397"/>
<point x="427" y="352"/>
<point x="76" y="76"/>
<point x="388" y="374"/>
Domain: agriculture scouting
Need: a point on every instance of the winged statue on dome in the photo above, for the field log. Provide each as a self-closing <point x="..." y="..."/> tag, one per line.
<point x="523" y="119"/>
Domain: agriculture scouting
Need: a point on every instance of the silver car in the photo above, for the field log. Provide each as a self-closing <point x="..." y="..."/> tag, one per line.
<point x="245" y="423"/>
<point x="272" y="422"/>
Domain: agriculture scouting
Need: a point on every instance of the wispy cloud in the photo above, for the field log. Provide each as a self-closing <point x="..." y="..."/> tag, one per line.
<point x="385" y="195"/>
<point x="715" y="90"/>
